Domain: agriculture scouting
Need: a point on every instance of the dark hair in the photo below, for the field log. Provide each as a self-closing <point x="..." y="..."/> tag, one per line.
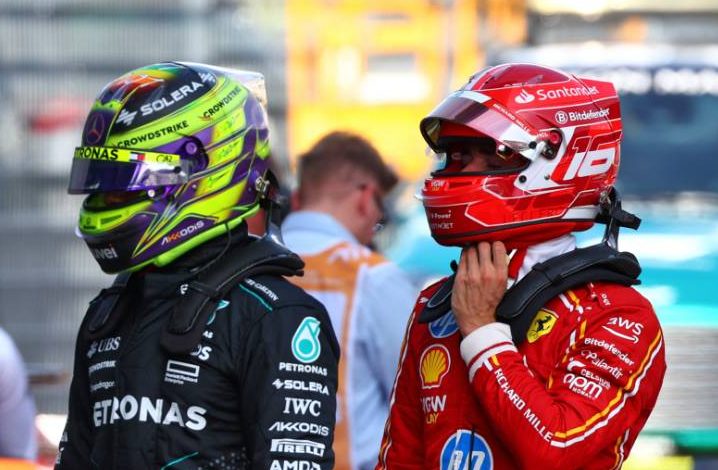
<point x="338" y="157"/>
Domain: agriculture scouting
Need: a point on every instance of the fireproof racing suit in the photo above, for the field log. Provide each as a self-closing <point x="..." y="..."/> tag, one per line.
<point x="257" y="392"/>
<point x="574" y="394"/>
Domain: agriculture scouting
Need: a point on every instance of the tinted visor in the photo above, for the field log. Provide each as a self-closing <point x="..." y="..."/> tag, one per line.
<point x="467" y="108"/>
<point x="105" y="169"/>
<point x="477" y="156"/>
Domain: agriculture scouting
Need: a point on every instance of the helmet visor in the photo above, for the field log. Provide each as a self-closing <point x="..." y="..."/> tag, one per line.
<point x="103" y="169"/>
<point x="468" y="108"/>
<point x="481" y="155"/>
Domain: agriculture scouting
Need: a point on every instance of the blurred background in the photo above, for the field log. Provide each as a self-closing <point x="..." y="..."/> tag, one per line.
<point x="375" y="67"/>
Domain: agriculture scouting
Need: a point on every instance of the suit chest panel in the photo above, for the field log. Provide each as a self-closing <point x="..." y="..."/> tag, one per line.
<point x="451" y="411"/>
<point x="132" y="380"/>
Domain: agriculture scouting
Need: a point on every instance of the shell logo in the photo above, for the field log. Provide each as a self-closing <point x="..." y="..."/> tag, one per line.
<point x="434" y="365"/>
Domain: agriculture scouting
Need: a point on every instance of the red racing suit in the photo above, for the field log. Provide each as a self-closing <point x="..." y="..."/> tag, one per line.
<point x="575" y="394"/>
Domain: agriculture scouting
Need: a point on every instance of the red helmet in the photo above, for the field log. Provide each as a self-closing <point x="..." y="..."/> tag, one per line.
<point x="566" y="130"/>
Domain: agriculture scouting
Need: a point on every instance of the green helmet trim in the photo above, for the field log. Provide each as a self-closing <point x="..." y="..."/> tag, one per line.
<point x="171" y="255"/>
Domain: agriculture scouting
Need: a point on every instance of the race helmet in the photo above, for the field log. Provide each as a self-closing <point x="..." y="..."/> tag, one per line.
<point x="562" y="134"/>
<point x="173" y="155"/>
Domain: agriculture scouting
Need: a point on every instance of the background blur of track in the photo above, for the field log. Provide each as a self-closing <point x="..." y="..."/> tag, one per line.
<point x="375" y="67"/>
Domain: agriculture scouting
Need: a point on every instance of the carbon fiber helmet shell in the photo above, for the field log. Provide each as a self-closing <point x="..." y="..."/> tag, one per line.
<point x="567" y="128"/>
<point x="187" y="144"/>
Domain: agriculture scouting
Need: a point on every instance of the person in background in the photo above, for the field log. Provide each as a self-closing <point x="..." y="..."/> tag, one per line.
<point x="339" y="202"/>
<point x="17" y="407"/>
<point x="563" y="369"/>
<point x="193" y="357"/>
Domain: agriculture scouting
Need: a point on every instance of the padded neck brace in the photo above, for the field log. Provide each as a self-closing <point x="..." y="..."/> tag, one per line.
<point x="545" y="281"/>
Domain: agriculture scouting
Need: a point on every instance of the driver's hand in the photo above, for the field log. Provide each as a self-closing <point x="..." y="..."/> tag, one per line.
<point x="479" y="285"/>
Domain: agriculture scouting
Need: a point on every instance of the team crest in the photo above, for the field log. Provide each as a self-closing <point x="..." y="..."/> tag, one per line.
<point x="542" y="324"/>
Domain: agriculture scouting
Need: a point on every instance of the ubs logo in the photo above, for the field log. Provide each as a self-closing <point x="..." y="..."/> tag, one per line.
<point x="104" y="345"/>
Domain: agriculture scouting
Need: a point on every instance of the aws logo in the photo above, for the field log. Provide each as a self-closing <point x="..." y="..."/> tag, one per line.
<point x="629" y="330"/>
<point x="542" y="324"/>
<point x="434" y="365"/>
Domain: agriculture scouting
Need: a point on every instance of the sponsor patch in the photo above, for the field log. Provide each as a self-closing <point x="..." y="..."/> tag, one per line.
<point x="178" y="372"/>
<point x="202" y="352"/>
<point x="301" y="385"/>
<point x="302" y="369"/>
<point x="597" y="361"/>
<point x="524" y="97"/>
<point x="297" y="446"/>
<point x="299" y="427"/>
<point x="624" y="329"/>
<point x="583" y="386"/>
<point x="434" y="364"/>
<point x="264" y="289"/>
<point x="444" y="327"/>
<point x="302" y="406"/>
<point x="103" y="345"/>
<point x="104" y="253"/>
<point x="466" y="450"/>
<point x="433" y="405"/>
<point x="610" y="347"/>
<point x="183" y="232"/>
<point x="562" y="117"/>
<point x="170" y="100"/>
<point x="145" y="409"/>
<point x="99" y="366"/>
<point x="104" y="385"/>
<point x="294" y="465"/>
<point x="306" y="347"/>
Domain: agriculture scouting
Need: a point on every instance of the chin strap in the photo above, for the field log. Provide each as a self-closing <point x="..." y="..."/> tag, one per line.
<point x="601" y="262"/>
<point x="613" y="215"/>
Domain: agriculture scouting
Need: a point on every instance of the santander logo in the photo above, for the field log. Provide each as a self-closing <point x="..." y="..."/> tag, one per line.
<point x="524" y="97"/>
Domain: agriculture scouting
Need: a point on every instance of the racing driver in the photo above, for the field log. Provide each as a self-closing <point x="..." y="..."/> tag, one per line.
<point x="201" y="354"/>
<point x="561" y="369"/>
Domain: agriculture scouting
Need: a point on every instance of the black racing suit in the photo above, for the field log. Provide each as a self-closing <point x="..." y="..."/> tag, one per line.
<point x="257" y="392"/>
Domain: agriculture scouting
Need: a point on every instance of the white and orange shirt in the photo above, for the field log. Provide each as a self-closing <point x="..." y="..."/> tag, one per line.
<point x="369" y="301"/>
